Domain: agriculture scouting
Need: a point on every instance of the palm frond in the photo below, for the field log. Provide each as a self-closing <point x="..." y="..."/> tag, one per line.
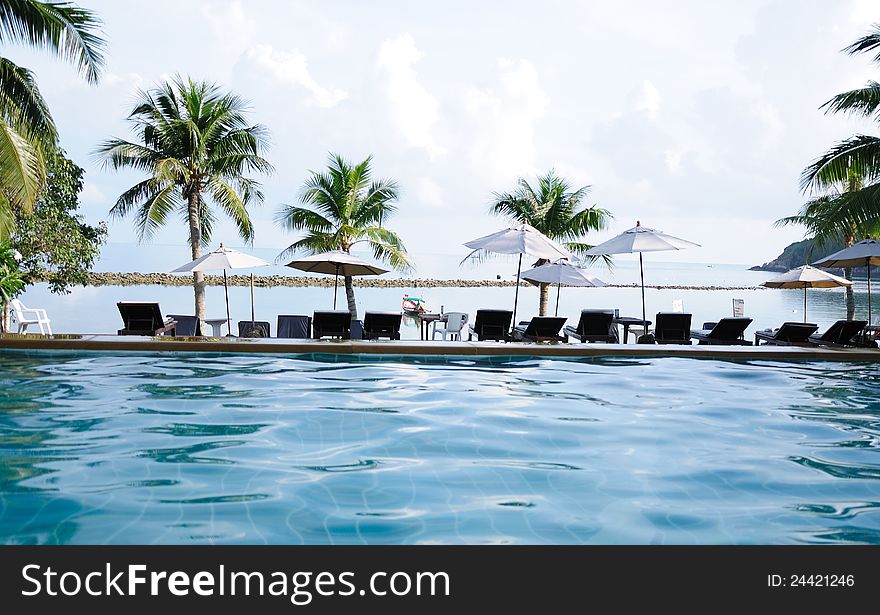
<point x="231" y="203"/>
<point x="23" y="106"/>
<point x="867" y="43"/>
<point x="859" y="154"/>
<point x="862" y="101"/>
<point x="22" y="168"/>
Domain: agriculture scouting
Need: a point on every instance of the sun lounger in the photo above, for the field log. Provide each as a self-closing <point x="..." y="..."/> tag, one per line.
<point x="187" y="326"/>
<point x="491" y="325"/>
<point x="841" y="333"/>
<point x="672" y="328"/>
<point x="789" y="334"/>
<point x="332" y="324"/>
<point x="594" y="326"/>
<point x="144" y="318"/>
<point x="382" y="324"/>
<point x="725" y="332"/>
<point x="253" y="328"/>
<point x="294" y="327"/>
<point x="540" y="329"/>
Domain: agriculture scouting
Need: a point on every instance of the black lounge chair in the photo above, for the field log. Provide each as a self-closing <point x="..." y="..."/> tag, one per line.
<point x="144" y="318"/>
<point x="841" y="333"/>
<point x="382" y="324"/>
<point x="789" y="334"/>
<point x="594" y="326"/>
<point x="294" y="327"/>
<point x="540" y="329"/>
<point x="491" y="325"/>
<point x="332" y="324"/>
<point x="725" y="332"/>
<point x="672" y="328"/>
<point x="187" y="326"/>
<point x="253" y="328"/>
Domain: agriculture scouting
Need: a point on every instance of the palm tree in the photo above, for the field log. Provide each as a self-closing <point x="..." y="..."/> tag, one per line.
<point x="195" y="145"/>
<point x="344" y="206"/>
<point x="829" y="219"/>
<point x="26" y="126"/>
<point x="556" y="211"/>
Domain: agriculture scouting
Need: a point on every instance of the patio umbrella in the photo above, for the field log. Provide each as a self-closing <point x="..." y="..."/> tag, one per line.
<point x="806" y="277"/>
<point x="562" y="273"/>
<point x="641" y="239"/>
<point x="337" y="263"/>
<point x="521" y="239"/>
<point x="862" y="254"/>
<point x="225" y="258"/>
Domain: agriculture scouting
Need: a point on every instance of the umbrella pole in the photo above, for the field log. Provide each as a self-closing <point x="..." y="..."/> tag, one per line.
<point x="335" y="287"/>
<point x="805" y="304"/>
<point x="253" y="317"/>
<point x="228" y="319"/>
<point x="516" y="295"/>
<point x="642" y="273"/>
<point x="869" y="293"/>
<point x="558" y="290"/>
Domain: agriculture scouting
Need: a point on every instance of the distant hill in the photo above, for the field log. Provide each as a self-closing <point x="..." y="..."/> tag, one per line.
<point x="801" y="252"/>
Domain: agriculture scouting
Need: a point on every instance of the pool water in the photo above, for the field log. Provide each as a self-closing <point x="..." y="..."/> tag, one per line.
<point x="135" y="448"/>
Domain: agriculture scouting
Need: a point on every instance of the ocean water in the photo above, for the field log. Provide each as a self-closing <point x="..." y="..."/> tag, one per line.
<point x="93" y="309"/>
<point x="209" y="449"/>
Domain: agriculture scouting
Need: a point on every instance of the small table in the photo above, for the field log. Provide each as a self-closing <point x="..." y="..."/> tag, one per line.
<point x="216" y="326"/>
<point x="426" y="319"/>
<point x="627" y="322"/>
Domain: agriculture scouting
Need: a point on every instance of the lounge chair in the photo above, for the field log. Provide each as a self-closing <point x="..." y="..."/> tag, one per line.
<point x="294" y="327"/>
<point x="253" y="328"/>
<point x="539" y="329"/>
<point x="382" y="324"/>
<point x="725" y="332"/>
<point x="25" y="316"/>
<point x="594" y="326"/>
<point x="491" y="325"/>
<point x="789" y="334"/>
<point x="186" y="325"/>
<point x="144" y="318"/>
<point x="332" y="324"/>
<point x="672" y="328"/>
<point x="841" y="333"/>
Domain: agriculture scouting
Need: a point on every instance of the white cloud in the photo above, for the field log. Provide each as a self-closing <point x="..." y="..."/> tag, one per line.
<point x="415" y="110"/>
<point x="291" y="67"/>
<point x="91" y="194"/>
<point x="429" y="192"/>
<point x="648" y="99"/>
<point x="504" y="119"/>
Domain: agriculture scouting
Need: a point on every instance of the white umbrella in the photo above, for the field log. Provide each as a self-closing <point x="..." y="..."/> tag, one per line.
<point x="806" y="277"/>
<point x="225" y="258"/>
<point x="337" y="263"/>
<point x="521" y="239"/>
<point x="862" y="254"/>
<point x="562" y="273"/>
<point x="641" y="239"/>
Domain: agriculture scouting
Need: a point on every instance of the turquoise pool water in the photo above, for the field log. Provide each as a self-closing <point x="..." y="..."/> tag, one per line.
<point x="130" y="448"/>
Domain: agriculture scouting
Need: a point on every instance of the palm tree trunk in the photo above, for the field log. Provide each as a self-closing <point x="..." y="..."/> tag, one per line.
<point x="544" y="294"/>
<point x="850" y="295"/>
<point x="195" y="239"/>
<point x="5" y="318"/>
<point x="349" y="294"/>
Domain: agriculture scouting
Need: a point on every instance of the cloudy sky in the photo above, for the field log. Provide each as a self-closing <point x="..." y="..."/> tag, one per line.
<point x="694" y="117"/>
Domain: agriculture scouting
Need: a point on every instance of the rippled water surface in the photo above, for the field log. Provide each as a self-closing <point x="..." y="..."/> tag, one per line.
<point x="113" y="448"/>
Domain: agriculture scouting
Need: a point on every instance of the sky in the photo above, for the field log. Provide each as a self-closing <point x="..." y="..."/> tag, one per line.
<point x="693" y="117"/>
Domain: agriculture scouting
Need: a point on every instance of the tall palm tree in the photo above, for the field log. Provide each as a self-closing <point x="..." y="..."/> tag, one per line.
<point x="343" y="207"/>
<point x="26" y="126"/>
<point x="555" y="210"/>
<point x="196" y="147"/>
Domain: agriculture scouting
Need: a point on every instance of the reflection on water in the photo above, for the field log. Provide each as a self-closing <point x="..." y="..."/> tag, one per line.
<point x="105" y="448"/>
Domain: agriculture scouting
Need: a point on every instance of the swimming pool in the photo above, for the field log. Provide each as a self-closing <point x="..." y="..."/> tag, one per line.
<point x="198" y="448"/>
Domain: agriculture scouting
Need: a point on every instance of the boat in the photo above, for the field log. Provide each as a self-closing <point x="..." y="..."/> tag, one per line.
<point x="413" y="306"/>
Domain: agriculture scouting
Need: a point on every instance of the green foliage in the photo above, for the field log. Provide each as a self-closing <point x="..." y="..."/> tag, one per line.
<point x="196" y="146"/>
<point x="345" y="207"/>
<point x="12" y="281"/>
<point x="26" y="127"/>
<point x="554" y="209"/>
<point x="55" y="244"/>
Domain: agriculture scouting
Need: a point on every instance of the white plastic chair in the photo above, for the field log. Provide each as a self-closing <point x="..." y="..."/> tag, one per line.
<point x="739" y="308"/>
<point x="455" y="322"/>
<point x="677" y="306"/>
<point x="25" y="316"/>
